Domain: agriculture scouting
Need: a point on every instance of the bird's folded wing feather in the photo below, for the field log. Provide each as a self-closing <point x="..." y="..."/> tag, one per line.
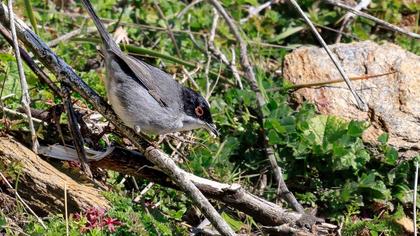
<point x="144" y="76"/>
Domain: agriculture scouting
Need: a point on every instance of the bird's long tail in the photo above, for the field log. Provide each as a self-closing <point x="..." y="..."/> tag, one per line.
<point x="107" y="40"/>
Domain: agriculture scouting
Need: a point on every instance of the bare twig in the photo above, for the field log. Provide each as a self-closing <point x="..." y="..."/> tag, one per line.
<point x="250" y="76"/>
<point x="256" y="10"/>
<point x="70" y="78"/>
<point x="25" y="94"/>
<point x="416" y="179"/>
<point x="31" y="64"/>
<point x="66" y="216"/>
<point x="22" y="201"/>
<point x="188" y="7"/>
<point x="360" y="103"/>
<point x="168" y="27"/>
<point x="218" y="54"/>
<point x="372" y="18"/>
<point x="75" y="132"/>
<point x="323" y="83"/>
<point x="69" y="35"/>
<point x="143" y="192"/>
<point x="348" y="18"/>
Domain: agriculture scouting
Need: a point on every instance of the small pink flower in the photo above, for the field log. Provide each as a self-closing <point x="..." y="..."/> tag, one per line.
<point x="111" y="223"/>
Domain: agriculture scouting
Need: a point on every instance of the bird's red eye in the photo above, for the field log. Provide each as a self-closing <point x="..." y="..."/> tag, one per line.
<point x="199" y="111"/>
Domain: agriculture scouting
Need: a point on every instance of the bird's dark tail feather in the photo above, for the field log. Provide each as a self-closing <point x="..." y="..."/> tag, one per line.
<point x="107" y="40"/>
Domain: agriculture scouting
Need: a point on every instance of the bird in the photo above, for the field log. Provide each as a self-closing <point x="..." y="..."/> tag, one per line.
<point x="147" y="99"/>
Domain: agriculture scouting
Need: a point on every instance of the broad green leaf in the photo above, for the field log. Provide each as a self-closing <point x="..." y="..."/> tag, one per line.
<point x="235" y="224"/>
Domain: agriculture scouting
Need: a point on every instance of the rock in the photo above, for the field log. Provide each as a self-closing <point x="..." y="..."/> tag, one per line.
<point x="41" y="185"/>
<point x="393" y="100"/>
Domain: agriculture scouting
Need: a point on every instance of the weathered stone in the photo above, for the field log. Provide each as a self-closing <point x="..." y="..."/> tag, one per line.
<point x="393" y="100"/>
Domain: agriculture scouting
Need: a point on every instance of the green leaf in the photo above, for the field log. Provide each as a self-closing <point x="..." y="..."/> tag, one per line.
<point x="376" y="189"/>
<point x="356" y="128"/>
<point x="391" y="156"/>
<point x="383" y="138"/>
<point x="235" y="224"/>
<point x="288" y="32"/>
<point x="273" y="137"/>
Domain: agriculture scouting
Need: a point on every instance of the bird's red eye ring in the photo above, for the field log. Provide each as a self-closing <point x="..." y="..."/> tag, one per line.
<point x="199" y="111"/>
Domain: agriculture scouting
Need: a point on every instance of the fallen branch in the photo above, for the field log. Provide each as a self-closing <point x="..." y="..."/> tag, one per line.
<point x="41" y="185"/>
<point x="135" y="164"/>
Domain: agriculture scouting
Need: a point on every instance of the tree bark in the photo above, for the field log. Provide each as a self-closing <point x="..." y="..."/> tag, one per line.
<point x="41" y="185"/>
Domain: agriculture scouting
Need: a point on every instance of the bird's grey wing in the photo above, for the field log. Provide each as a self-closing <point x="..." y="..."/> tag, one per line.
<point x="156" y="82"/>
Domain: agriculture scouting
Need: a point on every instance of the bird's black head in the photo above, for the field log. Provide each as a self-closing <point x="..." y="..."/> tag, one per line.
<point x="197" y="107"/>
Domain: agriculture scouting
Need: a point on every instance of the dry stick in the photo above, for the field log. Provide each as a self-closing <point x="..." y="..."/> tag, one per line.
<point x="70" y="35"/>
<point x="188" y="7"/>
<point x="255" y="10"/>
<point x="348" y="18"/>
<point x="282" y="190"/>
<point x="168" y="27"/>
<point x="25" y="94"/>
<point x="336" y="81"/>
<point x="75" y="132"/>
<point x="168" y="166"/>
<point x="372" y="18"/>
<point x="218" y="54"/>
<point x="416" y="176"/>
<point x="360" y="103"/>
<point x="65" y="209"/>
<point x="30" y="63"/>
<point x="22" y="201"/>
<point x="70" y="78"/>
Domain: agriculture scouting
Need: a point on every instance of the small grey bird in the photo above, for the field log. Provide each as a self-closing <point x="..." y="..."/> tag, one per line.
<point x="146" y="98"/>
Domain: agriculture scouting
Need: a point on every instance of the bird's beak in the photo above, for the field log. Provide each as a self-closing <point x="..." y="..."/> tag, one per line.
<point x="212" y="128"/>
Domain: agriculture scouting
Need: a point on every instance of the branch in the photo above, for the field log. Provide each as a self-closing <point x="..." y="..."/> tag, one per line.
<point x="372" y="18"/>
<point x="71" y="79"/>
<point x="26" y="100"/>
<point x="360" y="103"/>
<point x="234" y="195"/>
<point x="282" y="190"/>
<point x="348" y="17"/>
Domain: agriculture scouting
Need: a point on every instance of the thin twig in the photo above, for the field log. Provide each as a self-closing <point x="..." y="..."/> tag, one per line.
<point x="70" y="35"/>
<point x="22" y="201"/>
<point x="253" y="11"/>
<point x="24" y="85"/>
<point x="360" y="103"/>
<point x="372" y="18"/>
<point x="323" y="83"/>
<point x="168" y="27"/>
<point x="188" y="7"/>
<point x="416" y="176"/>
<point x="250" y="76"/>
<point x="218" y="54"/>
<point x="75" y="132"/>
<point x="143" y="192"/>
<point x="65" y="209"/>
<point x="30" y="62"/>
<point x="348" y="18"/>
